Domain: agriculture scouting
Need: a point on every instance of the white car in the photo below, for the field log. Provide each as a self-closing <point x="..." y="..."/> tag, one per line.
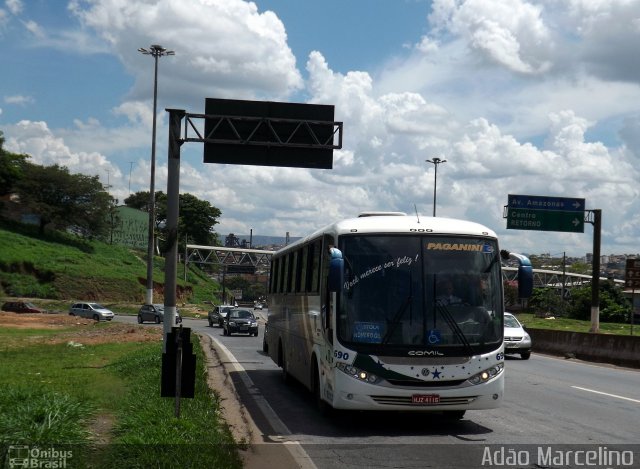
<point x="516" y="339"/>
<point x="92" y="311"/>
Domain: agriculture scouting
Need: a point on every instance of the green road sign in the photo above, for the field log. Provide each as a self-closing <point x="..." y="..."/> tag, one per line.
<point x="545" y="220"/>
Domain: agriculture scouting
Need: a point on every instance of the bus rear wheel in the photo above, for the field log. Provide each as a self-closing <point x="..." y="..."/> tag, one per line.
<point x="283" y="364"/>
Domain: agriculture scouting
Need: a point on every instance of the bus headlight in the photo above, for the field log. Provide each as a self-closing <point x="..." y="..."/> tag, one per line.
<point x="357" y="373"/>
<point x="487" y="374"/>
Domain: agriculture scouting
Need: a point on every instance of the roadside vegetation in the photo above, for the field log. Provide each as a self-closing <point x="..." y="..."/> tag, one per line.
<point x="101" y="401"/>
<point x="62" y="266"/>
<point x="532" y="321"/>
<point x="546" y="309"/>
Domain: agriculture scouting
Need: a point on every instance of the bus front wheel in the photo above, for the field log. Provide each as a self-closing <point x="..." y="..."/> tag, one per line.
<point x="323" y="407"/>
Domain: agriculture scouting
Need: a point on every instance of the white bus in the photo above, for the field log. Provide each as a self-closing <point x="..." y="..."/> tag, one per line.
<point x="390" y="312"/>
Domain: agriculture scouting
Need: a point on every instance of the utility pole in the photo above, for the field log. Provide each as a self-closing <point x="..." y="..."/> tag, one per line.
<point x="130" y="168"/>
<point x="435" y="161"/>
<point x="595" y="274"/>
<point x="155" y="51"/>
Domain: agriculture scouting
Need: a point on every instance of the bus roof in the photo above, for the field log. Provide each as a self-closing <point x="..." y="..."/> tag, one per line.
<point x="400" y="224"/>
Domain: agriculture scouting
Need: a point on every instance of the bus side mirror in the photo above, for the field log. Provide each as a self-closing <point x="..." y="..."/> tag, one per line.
<point x="525" y="281"/>
<point x="525" y="273"/>
<point x="336" y="271"/>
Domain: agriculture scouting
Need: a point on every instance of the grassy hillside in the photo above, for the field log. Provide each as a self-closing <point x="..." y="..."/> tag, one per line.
<point x="60" y="266"/>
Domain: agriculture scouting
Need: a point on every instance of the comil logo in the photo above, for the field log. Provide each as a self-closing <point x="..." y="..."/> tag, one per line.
<point x="35" y="456"/>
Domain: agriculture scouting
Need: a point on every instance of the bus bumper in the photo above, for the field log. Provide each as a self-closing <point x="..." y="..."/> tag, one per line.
<point x="358" y="395"/>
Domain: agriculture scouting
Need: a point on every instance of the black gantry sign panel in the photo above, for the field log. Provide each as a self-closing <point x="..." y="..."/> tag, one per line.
<point x="268" y="133"/>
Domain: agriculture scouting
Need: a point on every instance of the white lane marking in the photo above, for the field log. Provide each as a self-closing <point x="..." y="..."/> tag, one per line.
<point x="606" y="394"/>
<point x="295" y="449"/>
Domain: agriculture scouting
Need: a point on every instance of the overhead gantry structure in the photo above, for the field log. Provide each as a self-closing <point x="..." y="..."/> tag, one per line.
<point x="218" y="255"/>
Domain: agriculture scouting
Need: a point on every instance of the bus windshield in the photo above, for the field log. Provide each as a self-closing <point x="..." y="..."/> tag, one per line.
<point x="427" y="295"/>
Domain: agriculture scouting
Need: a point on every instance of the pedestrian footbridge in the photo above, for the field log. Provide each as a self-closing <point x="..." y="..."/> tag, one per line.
<point x="219" y="255"/>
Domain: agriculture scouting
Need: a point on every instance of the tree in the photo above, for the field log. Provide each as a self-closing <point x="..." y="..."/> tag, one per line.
<point x="250" y="291"/>
<point x="196" y="217"/>
<point x="614" y="307"/>
<point x="580" y="268"/>
<point x="548" y="300"/>
<point x="64" y="200"/>
<point x="11" y="167"/>
<point x="139" y="200"/>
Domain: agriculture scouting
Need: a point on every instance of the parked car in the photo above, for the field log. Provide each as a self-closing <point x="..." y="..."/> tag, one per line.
<point x="240" y="320"/>
<point x="21" y="307"/>
<point x="154" y="313"/>
<point x="91" y="310"/>
<point x="516" y="339"/>
<point x="258" y="306"/>
<point x="218" y="313"/>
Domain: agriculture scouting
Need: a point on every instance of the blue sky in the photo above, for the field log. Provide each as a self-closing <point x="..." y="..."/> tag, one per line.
<point x="528" y="97"/>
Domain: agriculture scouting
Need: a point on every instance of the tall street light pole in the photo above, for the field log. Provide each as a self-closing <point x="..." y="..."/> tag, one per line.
<point x="155" y="51"/>
<point x="435" y="162"/>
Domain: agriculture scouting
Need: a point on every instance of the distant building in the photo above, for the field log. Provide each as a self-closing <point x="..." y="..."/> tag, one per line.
<point x="232" y="241"/>
<point x="132" y="228"/>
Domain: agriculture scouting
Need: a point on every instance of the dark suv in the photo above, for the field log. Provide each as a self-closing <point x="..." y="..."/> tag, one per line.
<point x="218" y="313"/>
<point x="21" y="307"/>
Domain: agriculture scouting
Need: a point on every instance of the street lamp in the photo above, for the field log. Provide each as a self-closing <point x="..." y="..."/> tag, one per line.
<point x="435" y="162"/>
<point x="156" y="51"/>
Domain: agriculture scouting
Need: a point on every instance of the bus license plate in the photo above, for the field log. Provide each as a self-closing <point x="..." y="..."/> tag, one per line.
<point x="425" y="399"/>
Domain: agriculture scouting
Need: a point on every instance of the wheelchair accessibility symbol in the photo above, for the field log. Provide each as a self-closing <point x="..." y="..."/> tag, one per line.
<point x="434" y="337"/>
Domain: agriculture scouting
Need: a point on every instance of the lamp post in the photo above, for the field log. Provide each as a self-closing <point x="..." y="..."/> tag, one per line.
<point x="156" y="51"/>
<point x="435" y="161"/>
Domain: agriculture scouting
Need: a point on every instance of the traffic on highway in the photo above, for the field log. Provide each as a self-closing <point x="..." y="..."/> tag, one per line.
<point x="552" y="408"/>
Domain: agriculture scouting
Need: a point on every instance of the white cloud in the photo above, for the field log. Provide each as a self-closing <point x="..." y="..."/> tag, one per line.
<point x="37" y="140"/>
<point x="35" y="29"/>
<point x="222" y="48"/>
<point x="19" y="100"/>
<point x="509" y="32"/>
<point x="14" y="6"/>
<point x="516" y="95"/>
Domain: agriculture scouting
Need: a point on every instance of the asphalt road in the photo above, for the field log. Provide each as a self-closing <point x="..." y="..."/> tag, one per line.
<point x="552" y="405"/>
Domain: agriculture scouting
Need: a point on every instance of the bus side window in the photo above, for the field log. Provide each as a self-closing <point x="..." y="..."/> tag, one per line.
<point x="328" y="242"/>
<point x="301" y="269"/>
<point x="314" y="268"/>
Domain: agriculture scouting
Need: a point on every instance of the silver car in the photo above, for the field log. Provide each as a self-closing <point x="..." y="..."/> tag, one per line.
<point x="218" y="313"/>
<point x="154" y="313"/>
<point x="516" y="339"/>
<point x="92" y="311"/>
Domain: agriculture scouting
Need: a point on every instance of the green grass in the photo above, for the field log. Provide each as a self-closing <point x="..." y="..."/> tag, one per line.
<point x="60" y="266"/>
<point x="52" y="394"/>
<point x="145" y="421"/>
<point x="565" y="324"/>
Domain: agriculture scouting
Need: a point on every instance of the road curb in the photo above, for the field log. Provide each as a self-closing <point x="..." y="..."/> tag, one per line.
<point x="257" y="454"/>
